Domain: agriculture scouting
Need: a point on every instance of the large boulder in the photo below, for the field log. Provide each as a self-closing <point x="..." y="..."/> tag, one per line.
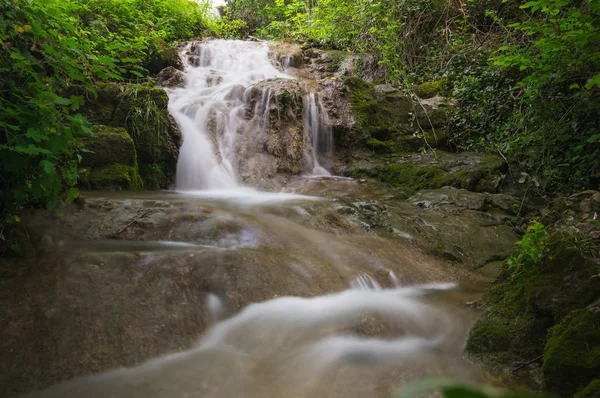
<point x="143" y="111"/>
<point x="277" y="126"/>
<point x="110" y="161"/>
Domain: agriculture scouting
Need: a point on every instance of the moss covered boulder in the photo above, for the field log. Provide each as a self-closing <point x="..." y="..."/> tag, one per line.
<point x="385" y="114"/>
<point x="110" y="161"/>
<point x="108" y="145"/>
<point x="550" y="313"/>
<point x="142" y="111"/>
<point x="471" y="171"/>
<point x="572" y="353"/>
<point x="116" y="177"/>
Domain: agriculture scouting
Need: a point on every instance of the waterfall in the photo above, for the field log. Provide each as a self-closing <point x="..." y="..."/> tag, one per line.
<point x="320" y="133"/>
<point x="222" y="117"/>
<point x="211" y="109"/>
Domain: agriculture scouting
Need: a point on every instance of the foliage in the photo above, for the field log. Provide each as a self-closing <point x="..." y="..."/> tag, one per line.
<point x="525" y="74"/>
<point x="452" y="388"/>
<point x="48" y="45"/>
<point x="533" y="249"/>
<point x="538" y="98"/>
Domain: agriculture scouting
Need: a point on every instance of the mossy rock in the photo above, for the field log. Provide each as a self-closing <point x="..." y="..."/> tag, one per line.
<point x="382" y="147"/>
<point x="592" y="390"/>
<point x="515" y="326"/>
<point x="156" y="176"/>
<point x="143" y="111"/>
<point x="108" y="145"/>
<point x="382" y="116"/>
<point x="114" y="177"/>
<point x="163" y="56"/>
<point x="508" y="332"/>
<point x="417" y="177"/>
<point x="572" y="353"/>
<point x="430" y="89"/>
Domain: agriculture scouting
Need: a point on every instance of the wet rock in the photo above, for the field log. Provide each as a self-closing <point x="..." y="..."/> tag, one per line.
<point x="171" y="78"/>
<point x="278" y="104"/>
<point x="287" y="55"/>
<point x="236" y="93"/>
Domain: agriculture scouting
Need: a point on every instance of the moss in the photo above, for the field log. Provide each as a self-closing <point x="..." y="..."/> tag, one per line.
<point x="413" y="177"/>
<point x="109" y="145"/>
<point x="381" y="146"/>
<point x="100" y="109"/>
<point x="83" y="176"/>
<point x="430" y="89"/>
<point x="508" y="331"/>
<point x="161" y="56"/>
<point x="156" y="176"/>
<point x="115" y="177"/>
<point x="592" y="390"/>
<point x="380" y="116"/>
<point x="572" y="353"/>
<point x="333" y="60"/>
<point x="520" y="323"/>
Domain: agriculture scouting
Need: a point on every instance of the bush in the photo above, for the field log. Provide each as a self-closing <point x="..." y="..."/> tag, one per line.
<point x="48" y="45"/>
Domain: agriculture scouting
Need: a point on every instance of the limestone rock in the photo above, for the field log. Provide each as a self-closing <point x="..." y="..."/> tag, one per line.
<point x="171" y="78"/>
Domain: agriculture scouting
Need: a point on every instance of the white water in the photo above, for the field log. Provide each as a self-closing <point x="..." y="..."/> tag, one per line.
<point x="305" y="338"/>
<point x="216" y="88"/>
<point x="320" y="133"/>
<point x="213" y="109"/>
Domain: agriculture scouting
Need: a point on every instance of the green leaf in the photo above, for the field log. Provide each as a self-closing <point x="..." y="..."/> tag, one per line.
<point x="72" y="194"/>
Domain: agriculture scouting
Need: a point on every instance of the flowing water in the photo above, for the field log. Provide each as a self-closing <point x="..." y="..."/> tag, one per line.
<point x="233" y="292"/>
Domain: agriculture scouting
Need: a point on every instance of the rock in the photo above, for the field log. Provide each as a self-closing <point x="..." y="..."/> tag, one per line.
<point x="429" y="89"/>
<point x="161" y="57"/>
<point x="143" y="112"/>
<point x="109" y="145"/>
<point x="114" y="177"/>
<point x="572" y="353"/>
<point x="515" y="326"/>
<point x="171" y="78"/>
<point x="286" y="136"/>
<point x="287" y="55"/>
<point x="435" y="170"/>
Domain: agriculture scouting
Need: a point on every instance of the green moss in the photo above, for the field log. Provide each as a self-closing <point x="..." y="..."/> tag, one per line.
<point x="383" y="117"/>
<point x="115" y="177"/>
<point x="572" y="353"/>
<point x="591" y="391"/>
<point x="109" y="145"/>
<point x="508" y="331"/>
<point x="413" y="177"/>
<point x="520" y="323"/>
<point x="156" y="176"/>
<point x="430" y="89"/>
<point x="381" y="146"/>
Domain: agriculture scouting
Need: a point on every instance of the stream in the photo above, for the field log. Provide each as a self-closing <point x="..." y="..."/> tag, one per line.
<point x="215" y="289"/>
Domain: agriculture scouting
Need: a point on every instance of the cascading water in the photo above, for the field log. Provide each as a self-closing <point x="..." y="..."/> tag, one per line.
<point x="320" y="133"/>
<point x="211" y="109"/>
<point x="218" y="108"/>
